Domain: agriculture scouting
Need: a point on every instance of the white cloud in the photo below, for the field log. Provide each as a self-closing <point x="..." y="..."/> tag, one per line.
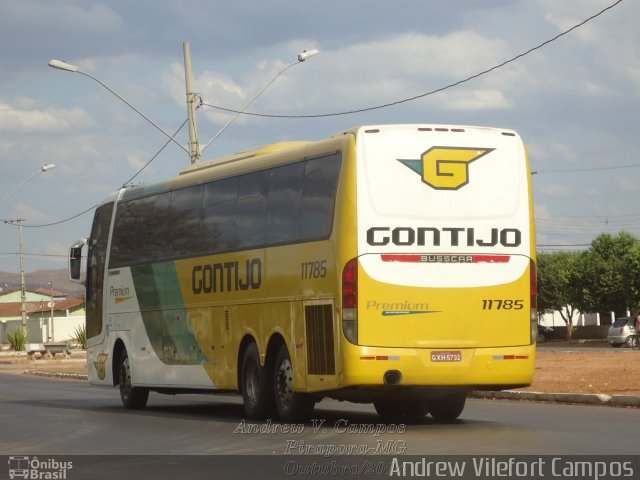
<point x="567" y="13"/>
<point x="554" y="190"/>
<point x="26" y="118"/>
<point x="481" y="99"/>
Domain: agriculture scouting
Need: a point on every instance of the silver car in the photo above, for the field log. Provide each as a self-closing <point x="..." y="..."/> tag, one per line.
<point x="622" y="331"/>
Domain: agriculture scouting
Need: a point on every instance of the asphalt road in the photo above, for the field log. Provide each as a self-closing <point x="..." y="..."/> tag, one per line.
<point x="50" y="416"/>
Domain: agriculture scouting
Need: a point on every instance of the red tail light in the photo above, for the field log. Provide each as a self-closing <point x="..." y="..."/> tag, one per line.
<point x="350" y="284"/>
<point x="350" y="301"/>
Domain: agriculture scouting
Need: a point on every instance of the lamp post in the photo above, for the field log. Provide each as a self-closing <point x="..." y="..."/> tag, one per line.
<point x="67" y="67"/>
<point x="23" y="311"/>
<point x="194" y="149"/>
<point x="301" y="58"/>
<point x="44" y="168"/>
<point x="19" y="221"/>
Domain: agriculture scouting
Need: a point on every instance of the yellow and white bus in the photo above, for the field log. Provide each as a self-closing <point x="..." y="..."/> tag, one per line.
<point x="390" y="264"/>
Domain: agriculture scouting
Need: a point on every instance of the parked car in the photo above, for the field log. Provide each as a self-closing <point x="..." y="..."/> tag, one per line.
<point x="621" y="331"/>
<point x="544" y="333"/>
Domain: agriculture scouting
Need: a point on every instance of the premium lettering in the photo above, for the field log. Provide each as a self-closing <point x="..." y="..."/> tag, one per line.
<point x="449" y="236"/>
<point x="230" y="276"/>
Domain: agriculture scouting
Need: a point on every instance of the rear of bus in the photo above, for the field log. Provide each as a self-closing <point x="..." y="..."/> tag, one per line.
<point x="441" y="292"/>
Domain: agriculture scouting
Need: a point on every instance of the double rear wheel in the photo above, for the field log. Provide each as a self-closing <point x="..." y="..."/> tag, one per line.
<point x="269" y="389"/>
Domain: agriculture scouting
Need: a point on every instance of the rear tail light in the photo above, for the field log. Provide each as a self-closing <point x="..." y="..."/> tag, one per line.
<point x="350" y="301"/>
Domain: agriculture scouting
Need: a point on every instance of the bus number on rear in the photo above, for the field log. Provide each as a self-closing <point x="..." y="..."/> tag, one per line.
<point x="500" y="304"/>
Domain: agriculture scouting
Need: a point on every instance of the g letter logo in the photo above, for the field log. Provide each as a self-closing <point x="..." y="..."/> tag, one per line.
<point x="446" y="168"/>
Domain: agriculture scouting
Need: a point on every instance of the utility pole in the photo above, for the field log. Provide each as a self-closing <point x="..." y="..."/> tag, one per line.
<point x="194" y="147"/>
<point x="52" y="304"/>
<point x="23" y="307"/>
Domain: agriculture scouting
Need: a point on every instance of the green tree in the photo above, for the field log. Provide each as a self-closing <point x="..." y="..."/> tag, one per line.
<point x="555" y="271"/>
<point x="631" y="268"/>
<point x="599" y="281"/>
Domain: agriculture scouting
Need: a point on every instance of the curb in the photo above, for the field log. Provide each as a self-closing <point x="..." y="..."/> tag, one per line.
<point x="568" y="398"/>
<point x="70" y="376"/>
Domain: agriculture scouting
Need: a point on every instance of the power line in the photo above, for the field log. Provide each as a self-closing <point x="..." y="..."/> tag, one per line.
<point x="431" y="92"/>
<point x="377" y="107"/>
<point x="123" y="185"/>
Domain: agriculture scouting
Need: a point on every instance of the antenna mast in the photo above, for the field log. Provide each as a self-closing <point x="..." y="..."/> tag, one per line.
<point x="194" y="147"/>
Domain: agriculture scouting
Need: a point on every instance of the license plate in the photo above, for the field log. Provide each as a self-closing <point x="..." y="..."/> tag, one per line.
<point x="455" y="356"/>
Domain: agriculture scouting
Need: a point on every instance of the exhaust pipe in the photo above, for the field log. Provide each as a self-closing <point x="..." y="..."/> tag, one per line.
<point x="392" y="377"/>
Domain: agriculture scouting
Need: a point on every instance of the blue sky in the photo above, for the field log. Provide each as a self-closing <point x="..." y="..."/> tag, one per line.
<point x="575" y="101"/>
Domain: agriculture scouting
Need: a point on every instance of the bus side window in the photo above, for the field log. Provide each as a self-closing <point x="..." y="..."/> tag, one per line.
<point x="219" y="216"/>
<point x="251" y="219"/>
<point x="319" y="196"/>
<point x="184" y="222"/>
<point x="284" y="204"/>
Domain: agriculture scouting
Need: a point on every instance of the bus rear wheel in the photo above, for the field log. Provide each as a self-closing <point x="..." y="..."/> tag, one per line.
<point x="291" y="406"/>
<point x="133" y="398"/>
<point x="257" y="390"/>
<point x="449" y="407"/>
<point x="397" y="411"/>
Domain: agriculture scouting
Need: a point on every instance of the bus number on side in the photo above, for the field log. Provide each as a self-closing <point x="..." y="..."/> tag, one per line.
<point x="313" y="269"/>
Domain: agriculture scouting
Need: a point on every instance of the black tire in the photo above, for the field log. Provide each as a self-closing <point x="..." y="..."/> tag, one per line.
<point x="133" y="398"/>
<point x="401" y="411"/>
<point x="629" y="341"/>
<point x="635" y="344"/>
<point x="292" y="407"/>
<point x="257" y="389"/>
<point x="447" y="408"/>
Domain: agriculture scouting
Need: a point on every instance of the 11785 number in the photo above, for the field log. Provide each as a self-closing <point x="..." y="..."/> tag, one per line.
<point x="501" y="304"/>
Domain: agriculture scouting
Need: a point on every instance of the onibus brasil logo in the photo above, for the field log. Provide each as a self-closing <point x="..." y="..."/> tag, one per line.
<point x="446" y="168"/>
<point x="33" y="468"/>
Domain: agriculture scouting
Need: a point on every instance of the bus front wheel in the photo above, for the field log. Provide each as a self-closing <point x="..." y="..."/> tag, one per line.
<point x="257" y="391"/>
<point x="291" y="406"/>
<point x="133" y="398"/>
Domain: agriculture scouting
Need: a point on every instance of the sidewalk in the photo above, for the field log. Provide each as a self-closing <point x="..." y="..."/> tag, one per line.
<point x="571" y="398"/>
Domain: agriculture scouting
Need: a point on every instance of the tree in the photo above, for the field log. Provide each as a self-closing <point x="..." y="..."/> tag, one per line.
<point x="599" y="281"/>
<point x="631" y="268"/>
<point x="555" y="271"/>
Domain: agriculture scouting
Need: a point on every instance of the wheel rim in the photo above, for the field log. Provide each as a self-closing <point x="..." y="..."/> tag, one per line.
<point x="125" y="379"/>
<point x="284" y="383"/>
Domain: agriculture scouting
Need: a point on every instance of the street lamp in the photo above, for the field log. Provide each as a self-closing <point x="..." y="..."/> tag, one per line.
<point x="44" y="168"/>
<point x="301" y="58"/>
<point x="67" y="67"/>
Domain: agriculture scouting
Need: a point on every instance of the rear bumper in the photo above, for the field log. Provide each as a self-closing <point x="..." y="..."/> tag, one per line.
<point x="471" y="367"/>
<point x="613" y="340"/>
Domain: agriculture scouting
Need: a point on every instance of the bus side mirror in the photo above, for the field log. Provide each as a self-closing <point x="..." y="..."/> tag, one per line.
<point x="75" y="261"/>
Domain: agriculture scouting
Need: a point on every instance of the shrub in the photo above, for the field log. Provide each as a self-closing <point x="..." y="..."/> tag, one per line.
<point x="18" y="339"/>
<point x="80" y="336"/>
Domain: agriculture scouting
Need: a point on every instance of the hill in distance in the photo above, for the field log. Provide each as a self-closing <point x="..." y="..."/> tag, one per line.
<point x="41" y="279"/>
